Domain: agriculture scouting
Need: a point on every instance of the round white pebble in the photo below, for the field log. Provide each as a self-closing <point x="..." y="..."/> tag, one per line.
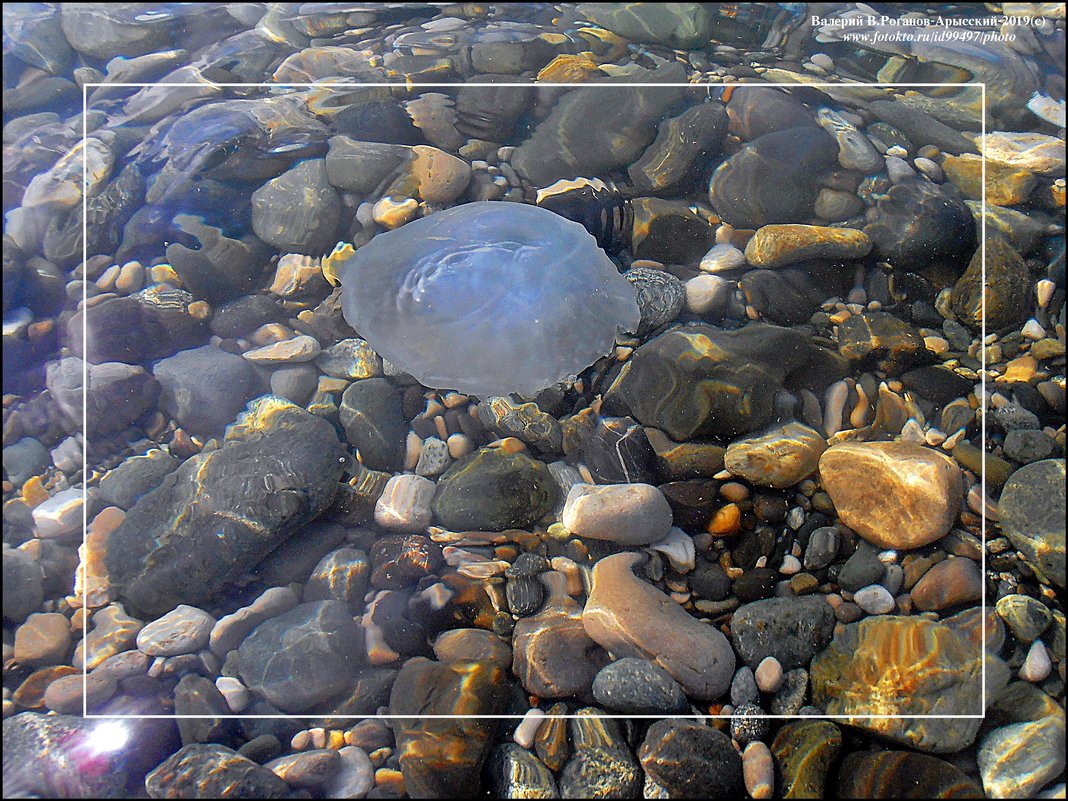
<point x="874" y="599"/>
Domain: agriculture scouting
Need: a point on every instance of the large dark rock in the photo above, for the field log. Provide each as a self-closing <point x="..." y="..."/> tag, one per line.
<point x="213" y="771"/>
<point x="203" y="714"/>
<point x="792" y="630"/>
<point x="442" y="758"/>
<point x="492" y="490"/>
<point x="298" y="211"/>
<point x="1031" y="513"/>
<point x="302" y="657"/>
<point x="676" y="25"/>
<point x="918" y="221"/>
<point x="879" y="341"/>
<point x="152" y="324"/>
<point x="674" y="162"/>
<point x="699" y="381"/>
<point x="117" y="393"/>
<point x="223" y="511"/>
<point x="755" y="110"/>
<point x="371" y="414"/>
<point x="567" y="145"/>
<point x="205" y="388"/>
<point x="1006" y="292"/>
<point x="773" y="178"/>
<point x="691" y="760"/>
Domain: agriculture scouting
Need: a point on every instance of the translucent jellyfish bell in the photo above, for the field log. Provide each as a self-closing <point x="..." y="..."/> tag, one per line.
<point x="488" y="298"/>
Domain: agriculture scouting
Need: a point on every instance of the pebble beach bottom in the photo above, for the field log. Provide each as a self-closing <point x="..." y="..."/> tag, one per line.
<point x="527" y="400"/>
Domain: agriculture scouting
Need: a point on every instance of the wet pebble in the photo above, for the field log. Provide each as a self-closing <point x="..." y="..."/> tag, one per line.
<point x="874" y="599"/>
<point x="629" y="514"/>
<point x="184" y="630"/>
<point x="769" y="675"/>
<point x="638" y="687"/>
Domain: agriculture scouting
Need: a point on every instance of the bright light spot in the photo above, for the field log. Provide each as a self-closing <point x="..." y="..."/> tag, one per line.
<point x="108" y="736"/>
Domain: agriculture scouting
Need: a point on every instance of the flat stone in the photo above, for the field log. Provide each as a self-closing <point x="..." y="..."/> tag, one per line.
<point x="950" y="583"/>
<point x="804" y="751"/>
<point x="903" y="774"/>
<point x="778" y="245"/>
<point x="792" y="630"/>
<point x="689" y="760"/>
<point x="183" y="630"/>
<point x="60" y="515"/>
<point x="1031" y="514"/>
<point x="69" y="695"/>
<point x="669" y="165"/>
<point x="630" y="618"/>
<point x="1019" y="760"/>
<point x="690" y="381"/>
<point x="302" y="657"/>
<point x="302" y="348"/>
<point x="307" y="768"/>
<point x="905" y="666"/>
<point x="893" y="494"/>
<point x="1041" y="154"/>
<point x="1006" y="185"/>
<point x="44" y="639"/>
<point x="779" y="458"/>
<point x="628" y="514"/>
<point x="638" y="687"/>
<point x="231" y="629"/>
<point x="405" y="504"/>
<point x="351" y="359"/>
<point x="213" y="771"/>
<point x="917" y="221"/>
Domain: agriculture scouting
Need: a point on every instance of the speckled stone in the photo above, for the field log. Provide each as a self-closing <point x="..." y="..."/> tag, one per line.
<point x="790" y="629"/>
<point x="638" y="687"/>
<point x="691" y="760"/>
<point x="894" y="494"/>
<point x="905" y="666"/>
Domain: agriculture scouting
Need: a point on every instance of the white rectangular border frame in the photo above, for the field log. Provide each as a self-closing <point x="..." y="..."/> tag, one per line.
<point x="445" y="85"/>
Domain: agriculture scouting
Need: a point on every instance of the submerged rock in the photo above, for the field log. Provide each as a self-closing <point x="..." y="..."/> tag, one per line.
<point x="222" y="511"/>
<point x="902" y="667"/>
<point x="493" y="490"/>
<point x="700" y="381"/>
<point x="442" y="758"/>
<point x="630" y="617"/>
